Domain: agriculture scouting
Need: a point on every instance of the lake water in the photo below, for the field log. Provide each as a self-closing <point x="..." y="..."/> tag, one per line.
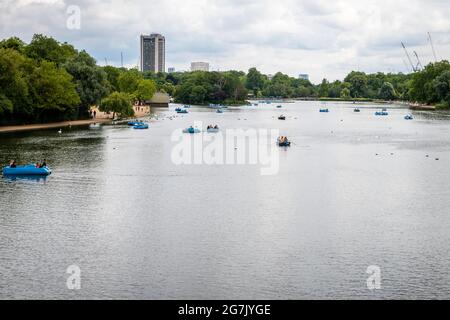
<point x="353" y="191"/>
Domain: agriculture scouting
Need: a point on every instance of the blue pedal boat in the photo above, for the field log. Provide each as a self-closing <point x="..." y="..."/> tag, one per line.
<point x="141" y="126"/>
<point x="28" y="170"/>
<point x="191" y="130"/>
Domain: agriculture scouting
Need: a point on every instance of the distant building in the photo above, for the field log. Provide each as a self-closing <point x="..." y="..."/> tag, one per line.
<point x="200" y="66"/>
<point x="171" y="70"/>
<point x="160" y="100"/>
<point x="153" y="53"/>
<point x="303" y="76"/>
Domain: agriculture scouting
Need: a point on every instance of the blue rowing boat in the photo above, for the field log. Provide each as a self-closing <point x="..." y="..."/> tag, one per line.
<point x="141" y="126"/>
<point x="134" y="123"/>
<point x="28" y="170"/>
<point x="191" y="130"/>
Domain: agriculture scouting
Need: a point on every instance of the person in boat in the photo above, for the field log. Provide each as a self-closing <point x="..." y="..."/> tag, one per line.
<point x="216" y="127"/>
<point x="43" y="164"/>
<point x="209" y="127"/>
<point x="12" y="164"/>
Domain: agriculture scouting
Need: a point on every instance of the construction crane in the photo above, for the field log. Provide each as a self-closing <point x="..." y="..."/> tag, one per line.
<point x="419" y="65"/>
<point x="432" y="47"/>
<point x="414" y="69"/>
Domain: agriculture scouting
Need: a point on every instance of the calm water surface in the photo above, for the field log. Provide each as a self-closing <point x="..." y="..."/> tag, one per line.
<point x="354" y="190"/>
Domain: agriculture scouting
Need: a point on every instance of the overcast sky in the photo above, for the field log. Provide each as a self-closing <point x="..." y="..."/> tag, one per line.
<point x="323" y="38"/>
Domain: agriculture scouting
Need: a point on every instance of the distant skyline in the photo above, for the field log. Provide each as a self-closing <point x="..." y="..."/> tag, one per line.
<point x="316" y="37"/>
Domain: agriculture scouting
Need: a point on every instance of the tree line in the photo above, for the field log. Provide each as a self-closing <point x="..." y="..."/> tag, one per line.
<point x="428" y="86"/>
<point x="46" y="80"/>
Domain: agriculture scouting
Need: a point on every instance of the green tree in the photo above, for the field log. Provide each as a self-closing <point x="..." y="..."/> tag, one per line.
<point x="168" y="88"/>
<point x="198" y="95"/>
<point x="442" y="87"/>
<point x="46" y="48"/>
<point x="422" y="86"/>
<point x="117" y="103"/>
<point x="128" y="80"/>
<point x="145" y="90"/>
<point x="13" y="43"/>
<point x="6" y="105"/>
<point x="324" y="88"/>
<point x="112" y="75"/>
<point x="358" y="84"/>
<point x="255" y="81"/>
<point x="387" y="91"/>
<point x="91" y="81"/>
<point x="14" y="83"/>
<point x="345" y="93"/>
<point x="54" y="94"/>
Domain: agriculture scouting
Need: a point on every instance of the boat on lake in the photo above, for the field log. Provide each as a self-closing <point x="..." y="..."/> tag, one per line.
<point x="191" y="130"/>
<point x="213" y="130"/>
<point x="27" y="170"/>
<point x="282" y="117"/>
<point x="324" y="110"/>
<point x="182" y="111"/>
<point x="409" y="117"/>
<point x="134" y="123"/>
<point x="141" y="126"/>
<point x="381" y="113"/>
<point x="283" y="142"/>
<point x="357" y="110"/>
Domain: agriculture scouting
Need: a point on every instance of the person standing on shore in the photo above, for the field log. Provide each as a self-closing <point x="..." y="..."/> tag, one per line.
<point x="95" y="114"/>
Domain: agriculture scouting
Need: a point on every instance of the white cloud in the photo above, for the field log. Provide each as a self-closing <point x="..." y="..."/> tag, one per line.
<point x="322" y="38"/>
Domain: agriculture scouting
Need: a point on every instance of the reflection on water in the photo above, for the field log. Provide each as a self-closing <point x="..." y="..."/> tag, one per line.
<point x="353" y="191"/>
<point x="35" y="178"/>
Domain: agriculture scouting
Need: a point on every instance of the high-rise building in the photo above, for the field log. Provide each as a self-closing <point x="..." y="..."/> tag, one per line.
<point x="200" y="66"/>
<point x="303" y="76"/>
<point x="153" y="53"/>
<point x="171" y="70"/>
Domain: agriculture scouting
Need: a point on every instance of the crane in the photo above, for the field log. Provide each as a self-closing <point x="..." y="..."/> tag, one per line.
<point x="419" y="65"/>
<point x="432" y="46"/>
<point x="414" y="69"/>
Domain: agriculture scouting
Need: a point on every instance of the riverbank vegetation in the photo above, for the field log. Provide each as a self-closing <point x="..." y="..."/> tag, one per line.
<point x="46" y="80"/>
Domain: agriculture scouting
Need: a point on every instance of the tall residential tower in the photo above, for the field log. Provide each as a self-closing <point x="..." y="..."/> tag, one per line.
<point x="153" y="53"/>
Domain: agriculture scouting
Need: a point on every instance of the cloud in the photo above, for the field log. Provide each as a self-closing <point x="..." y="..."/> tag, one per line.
<point x="322" y="38"/>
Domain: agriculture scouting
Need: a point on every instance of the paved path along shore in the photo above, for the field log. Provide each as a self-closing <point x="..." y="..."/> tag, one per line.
<point x="29" y="127"/>
<point x="102" y="117"/>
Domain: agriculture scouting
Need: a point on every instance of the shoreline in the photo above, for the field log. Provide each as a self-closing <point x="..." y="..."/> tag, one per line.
<point x="40" y="126"/>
